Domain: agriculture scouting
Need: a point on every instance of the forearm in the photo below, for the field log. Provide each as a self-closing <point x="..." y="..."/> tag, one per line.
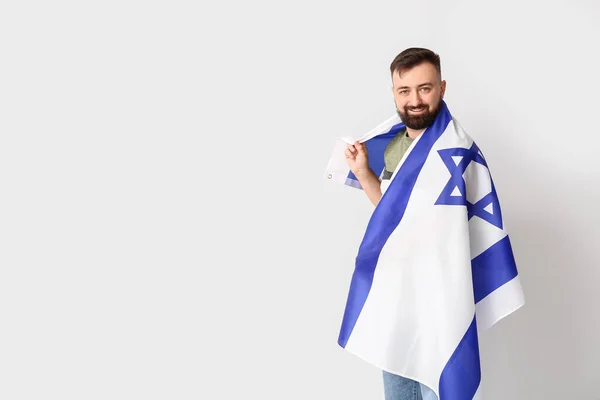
<point x="370" y="184"/>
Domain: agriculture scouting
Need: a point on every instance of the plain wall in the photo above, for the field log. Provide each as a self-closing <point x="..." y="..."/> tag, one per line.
<point x="166" y="228"/>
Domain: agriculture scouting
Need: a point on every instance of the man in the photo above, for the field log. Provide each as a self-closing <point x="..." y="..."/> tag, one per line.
<point x="418" y="90"/>
<point x="435" y="266"/>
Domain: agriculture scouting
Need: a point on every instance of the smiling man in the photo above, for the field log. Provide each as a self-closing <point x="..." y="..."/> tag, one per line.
<point x="435" y="266"/>
<point x="418" y="90"/>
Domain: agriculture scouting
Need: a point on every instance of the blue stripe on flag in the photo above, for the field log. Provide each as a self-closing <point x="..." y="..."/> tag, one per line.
<point x="385" y="219"/>
<point x="493" y="268"/>
<point x="462" y="374"/>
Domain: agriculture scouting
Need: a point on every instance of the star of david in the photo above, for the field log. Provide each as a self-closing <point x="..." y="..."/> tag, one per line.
<point x="457" y="160"/>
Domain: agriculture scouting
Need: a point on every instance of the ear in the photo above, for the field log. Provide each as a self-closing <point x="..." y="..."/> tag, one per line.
<point x="443" y="88"/>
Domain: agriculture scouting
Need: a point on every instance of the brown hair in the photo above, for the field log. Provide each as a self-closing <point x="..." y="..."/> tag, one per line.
<point x="412" y="57"/>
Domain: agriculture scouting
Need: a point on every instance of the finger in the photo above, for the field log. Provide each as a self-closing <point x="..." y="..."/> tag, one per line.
<point x="359" y="147"/>
<point x="349" y="154"/>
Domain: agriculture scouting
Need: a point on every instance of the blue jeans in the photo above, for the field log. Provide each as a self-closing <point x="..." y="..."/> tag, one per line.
<point x="399" y="388"/>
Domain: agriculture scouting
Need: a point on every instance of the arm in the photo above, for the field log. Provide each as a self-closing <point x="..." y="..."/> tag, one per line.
<point x="370" y="184"/>
<point x="357" y="158"/>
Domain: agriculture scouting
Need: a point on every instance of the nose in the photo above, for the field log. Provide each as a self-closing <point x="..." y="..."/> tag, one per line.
<point x="415" y="99"/>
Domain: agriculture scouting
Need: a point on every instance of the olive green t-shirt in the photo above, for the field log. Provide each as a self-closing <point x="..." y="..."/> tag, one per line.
<point x="394" y="152"/>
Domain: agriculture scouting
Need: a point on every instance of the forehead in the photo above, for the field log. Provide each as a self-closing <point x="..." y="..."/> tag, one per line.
<point x="422" y="73"/>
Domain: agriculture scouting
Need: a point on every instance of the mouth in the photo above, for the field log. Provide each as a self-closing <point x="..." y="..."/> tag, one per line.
<point x="418" y="111"/>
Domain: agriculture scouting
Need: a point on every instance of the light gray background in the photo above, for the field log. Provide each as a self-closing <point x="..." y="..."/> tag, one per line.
<point x="166" y="231"/>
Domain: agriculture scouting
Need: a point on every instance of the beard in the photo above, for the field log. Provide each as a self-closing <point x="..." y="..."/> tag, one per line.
<point x="420" y="121"/>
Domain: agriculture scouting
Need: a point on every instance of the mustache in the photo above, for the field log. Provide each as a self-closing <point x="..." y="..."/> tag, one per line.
<point x="417" y="108"/>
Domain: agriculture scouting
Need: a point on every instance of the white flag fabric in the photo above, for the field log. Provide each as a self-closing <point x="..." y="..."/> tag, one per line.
<point x="435" y="267"/>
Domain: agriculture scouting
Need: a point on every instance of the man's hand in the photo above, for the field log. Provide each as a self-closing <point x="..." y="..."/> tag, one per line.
<point x="357" y="158"/>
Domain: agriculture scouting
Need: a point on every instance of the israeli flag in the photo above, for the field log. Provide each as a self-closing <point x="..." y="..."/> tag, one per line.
<point x="435" y="267"/>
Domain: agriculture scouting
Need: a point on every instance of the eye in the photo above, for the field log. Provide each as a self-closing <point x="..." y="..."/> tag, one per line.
<point x="426" y="89"/>
<point x="403" y="92"/>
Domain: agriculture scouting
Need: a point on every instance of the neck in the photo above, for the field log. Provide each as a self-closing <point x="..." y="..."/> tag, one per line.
<point x="412" y="133"/>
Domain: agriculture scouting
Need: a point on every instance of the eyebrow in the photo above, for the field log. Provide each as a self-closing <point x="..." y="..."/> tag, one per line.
<point x="421" y="85"/>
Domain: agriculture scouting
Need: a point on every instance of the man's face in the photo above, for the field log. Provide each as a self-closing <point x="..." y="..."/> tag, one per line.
<point x="418" y="94"/>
